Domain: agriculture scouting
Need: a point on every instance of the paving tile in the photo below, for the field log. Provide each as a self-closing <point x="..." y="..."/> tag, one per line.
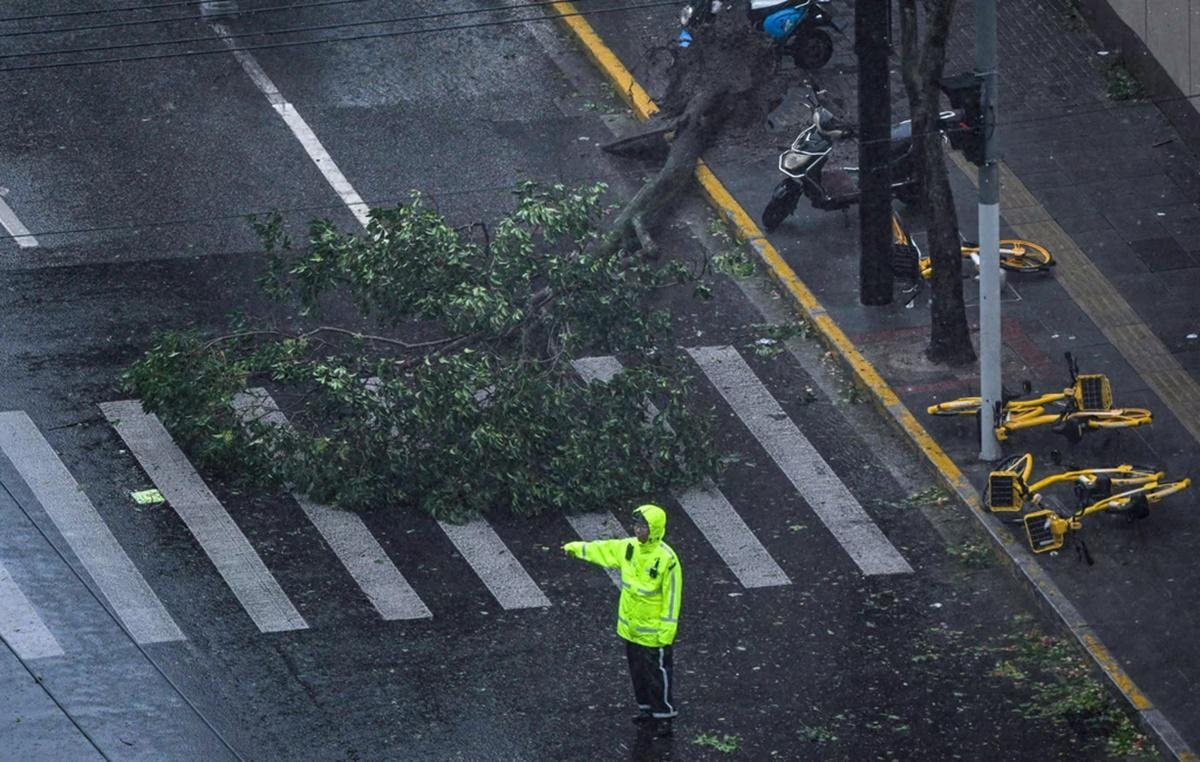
<point x="1135" y="224"/>
<point x="1182" y="285"/>
<point x="1085" y="223"/>
<point x="1066" y="202"/>
<point x="1162" y="254"/>
<point x="1110" y="253"/>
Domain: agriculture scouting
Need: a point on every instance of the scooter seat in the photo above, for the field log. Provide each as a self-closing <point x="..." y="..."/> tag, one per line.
<point x="838" y="183"/>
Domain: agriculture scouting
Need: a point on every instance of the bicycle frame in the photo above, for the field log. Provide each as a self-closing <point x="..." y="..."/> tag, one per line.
<point x="1085" y="404"/>
<point x="1046" y="530"/>
<point x="969" y="250"/>
<point x="1009" y="489"/>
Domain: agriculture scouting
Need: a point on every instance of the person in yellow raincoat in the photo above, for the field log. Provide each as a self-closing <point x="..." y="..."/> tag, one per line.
<point x="648" y="612"/>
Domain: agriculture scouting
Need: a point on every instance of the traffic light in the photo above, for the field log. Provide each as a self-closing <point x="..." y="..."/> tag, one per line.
<point x="965" y="92"/>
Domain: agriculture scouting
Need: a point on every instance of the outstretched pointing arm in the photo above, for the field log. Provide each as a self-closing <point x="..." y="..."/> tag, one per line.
<point x="606" y="553"/>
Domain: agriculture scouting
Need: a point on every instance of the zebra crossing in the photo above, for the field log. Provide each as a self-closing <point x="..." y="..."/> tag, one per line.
<point x="347" y="536"/>
<point x="384" y="586"/>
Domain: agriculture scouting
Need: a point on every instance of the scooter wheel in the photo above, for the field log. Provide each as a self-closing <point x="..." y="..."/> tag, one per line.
<point x="783" y="202"/>
<point x="812" y="49"/>
<point x="776" y="212"/>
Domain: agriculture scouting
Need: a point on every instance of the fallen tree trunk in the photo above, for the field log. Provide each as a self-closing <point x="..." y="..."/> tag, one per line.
<point x="723" y="79"/>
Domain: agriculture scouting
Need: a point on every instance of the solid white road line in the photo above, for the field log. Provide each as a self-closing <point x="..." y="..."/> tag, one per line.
<point x="18" y="231"/>
<point x="487" y="554"/>
<point x="226" y="546"/>
<point x="346" y="534"/>
<point x="708" y="508"/>
<point x="601" y="525"/>
<point x="81" y="526"/>
<point x="20" y="624"/>
<point x="800" y="462"/>
<point x="308" y="139"/>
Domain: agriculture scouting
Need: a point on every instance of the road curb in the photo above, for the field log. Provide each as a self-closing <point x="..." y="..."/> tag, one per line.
<point x="1020" y="561"/>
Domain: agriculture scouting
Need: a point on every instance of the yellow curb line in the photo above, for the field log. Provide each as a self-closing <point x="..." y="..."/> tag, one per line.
<point x="886" y="400"/>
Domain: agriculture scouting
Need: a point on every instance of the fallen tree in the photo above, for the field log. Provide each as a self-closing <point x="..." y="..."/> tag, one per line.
<point x="724" y="79"/>
<point x="446" y="381"/>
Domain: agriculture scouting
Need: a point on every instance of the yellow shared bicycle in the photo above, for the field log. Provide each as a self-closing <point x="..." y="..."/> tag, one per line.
<point x="1084" y="405"/>
<point x="1016" y="255"/>
<point x="1125" y="490"/>
<point x="1009" y="489"/>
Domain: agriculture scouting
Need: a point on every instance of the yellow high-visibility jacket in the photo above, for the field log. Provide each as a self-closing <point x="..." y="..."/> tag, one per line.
<point x="651" y="580"/>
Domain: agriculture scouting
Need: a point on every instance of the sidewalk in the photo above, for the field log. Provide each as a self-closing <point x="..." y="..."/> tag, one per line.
<point x="1111" y="189"/>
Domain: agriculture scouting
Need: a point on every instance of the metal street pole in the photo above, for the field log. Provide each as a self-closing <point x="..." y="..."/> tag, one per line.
<point x="989" y="233"/>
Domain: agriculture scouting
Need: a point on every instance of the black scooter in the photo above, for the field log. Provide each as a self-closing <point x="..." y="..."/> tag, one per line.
<point x="804" y="172"/>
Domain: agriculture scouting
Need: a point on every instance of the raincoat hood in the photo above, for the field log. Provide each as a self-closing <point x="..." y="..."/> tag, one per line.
<point x="656" y="519"/>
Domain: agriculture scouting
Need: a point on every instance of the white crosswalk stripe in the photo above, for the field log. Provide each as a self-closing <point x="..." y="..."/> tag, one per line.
<point x="215" y="531"/>
<point x="708" y="508"/>
<point x="601" y="525"/>
<point x="22" y="628"/>
<point x="81" y="526"/>
<point x="491" y="559"/>
<point x="487" y="554"/>
<point x="808" y="472"/>
<point x="347" y="536"/>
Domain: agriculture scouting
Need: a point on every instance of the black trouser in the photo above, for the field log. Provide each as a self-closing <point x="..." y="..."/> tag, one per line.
<point x="653" y="679"/>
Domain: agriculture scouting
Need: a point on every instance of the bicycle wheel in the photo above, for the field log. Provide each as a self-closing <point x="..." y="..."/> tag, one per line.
<point x="1024" y="256"/>
<point x="960" y="406"/>
<point x="1117" y="418"/>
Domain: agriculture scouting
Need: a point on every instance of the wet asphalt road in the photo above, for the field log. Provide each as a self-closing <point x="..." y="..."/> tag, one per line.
<point x="833" y="665"/>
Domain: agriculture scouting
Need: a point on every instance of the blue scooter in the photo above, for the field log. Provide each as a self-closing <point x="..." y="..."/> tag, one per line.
<point x="797" y="26"/>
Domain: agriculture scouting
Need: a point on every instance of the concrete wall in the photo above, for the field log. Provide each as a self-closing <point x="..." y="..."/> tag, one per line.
<point x="1167" y="29"/>
<point x="1160" y="43"/>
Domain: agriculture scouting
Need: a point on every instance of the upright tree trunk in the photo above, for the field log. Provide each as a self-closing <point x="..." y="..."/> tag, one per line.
<point x="874" y="127"/>
<point x="949" y="337"/>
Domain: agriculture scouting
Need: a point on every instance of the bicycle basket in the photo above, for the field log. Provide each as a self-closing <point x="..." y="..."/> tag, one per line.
<point x="1039" y="526"/>
<point x="1093" y="392"/>
<point x="1004" y="492"/>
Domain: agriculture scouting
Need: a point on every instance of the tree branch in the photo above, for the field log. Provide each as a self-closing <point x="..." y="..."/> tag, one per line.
<point x="324" y="329"/>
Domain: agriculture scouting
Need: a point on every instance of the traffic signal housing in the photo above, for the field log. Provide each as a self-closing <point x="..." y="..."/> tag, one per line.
<point x="965" y="92"/>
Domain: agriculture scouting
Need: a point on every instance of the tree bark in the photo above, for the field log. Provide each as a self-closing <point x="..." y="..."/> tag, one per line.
<point x="726" y="77"/>
<point x="874" y="134"/>
<point x="923" y="63"/>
